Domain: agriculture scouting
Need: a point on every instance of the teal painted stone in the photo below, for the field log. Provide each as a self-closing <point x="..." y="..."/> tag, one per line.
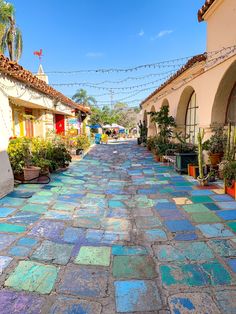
<point x="201" y="199"/>
<point x="53" y="252"/>
<point x="195" y="251"/>
<point x="92" y="255"/>
<point x="34" y="208"/>
<point x="5" y="211"/>
<point x="40" y="199"/>
<point x="155" y="235"/>
<point x="11" y="228"/>
<point x="195" y="274"/>
<point x="214" y="230"/>
<point x="128" y="250"/>
<point x="223" y="247"/>
<point x="205" y="217"/>
<point x="12" y="202"/>
<point x="192" y="303"/>
<point x="31" y="276"/>
<point x="63" y="206"/>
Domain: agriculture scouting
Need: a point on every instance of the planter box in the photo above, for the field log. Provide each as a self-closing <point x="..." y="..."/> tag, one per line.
<point x="182" y="161"/>
<point x="231" y="190"/>
<point x="193" y="171"/>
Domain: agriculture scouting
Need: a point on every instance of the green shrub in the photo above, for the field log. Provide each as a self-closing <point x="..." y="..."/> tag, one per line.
<point x="83" y="142"/>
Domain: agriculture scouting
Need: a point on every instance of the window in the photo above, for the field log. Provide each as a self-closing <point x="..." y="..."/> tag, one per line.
<point x="191" y="121"/>
<point x="231" y="112"/>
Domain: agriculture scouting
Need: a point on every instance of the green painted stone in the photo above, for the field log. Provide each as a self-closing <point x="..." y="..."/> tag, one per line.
<point x="232" y="225"/>
<point x="31" y="276"/>
<point x="11" y="228"/>
<point x="196" y="208"/>
<point x="35" y="208"/>
<point x="200" y="199"/>
<point x="133" y="267"/>
<point x="195" y="251"/>
<point x="91" y="255"/>
<point x="205" y="217"/>
<point x="61" y="206"/>
<point x="53" y="252"/>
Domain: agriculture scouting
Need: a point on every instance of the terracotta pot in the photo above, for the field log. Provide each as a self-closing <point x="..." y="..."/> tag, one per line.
<point x="157" y="158"/>
<point x="230" y="190"/>
<point x="31" y="173"/>
<point x="215" y="158"/>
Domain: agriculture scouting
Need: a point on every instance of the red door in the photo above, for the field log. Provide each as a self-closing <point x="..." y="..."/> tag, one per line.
<point x="60" y="123"/>
<point x="29" y="128"/>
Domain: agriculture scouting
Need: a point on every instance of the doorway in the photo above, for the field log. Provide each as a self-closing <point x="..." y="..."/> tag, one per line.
<point x="60" y="123"/>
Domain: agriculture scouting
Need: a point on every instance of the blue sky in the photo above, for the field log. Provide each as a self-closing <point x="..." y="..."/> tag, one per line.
<point x="91" y="34"/>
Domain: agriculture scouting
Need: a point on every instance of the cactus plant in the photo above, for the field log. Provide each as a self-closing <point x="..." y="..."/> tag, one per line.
<point x="201" y="178"/>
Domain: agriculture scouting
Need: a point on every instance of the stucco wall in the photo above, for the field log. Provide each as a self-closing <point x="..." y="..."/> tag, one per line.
<point x="208" y="88"/>
<point x="221" y="25"/>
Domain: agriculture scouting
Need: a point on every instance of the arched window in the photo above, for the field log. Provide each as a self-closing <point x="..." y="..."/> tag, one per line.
<point x="191" y="121"/>
<point x="231" y="112"/>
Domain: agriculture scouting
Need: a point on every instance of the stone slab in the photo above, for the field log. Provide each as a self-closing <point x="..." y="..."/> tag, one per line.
<point x="91" y="255"/>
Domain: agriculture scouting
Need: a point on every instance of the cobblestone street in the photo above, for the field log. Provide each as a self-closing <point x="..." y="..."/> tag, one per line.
<point x="118" y="233"/>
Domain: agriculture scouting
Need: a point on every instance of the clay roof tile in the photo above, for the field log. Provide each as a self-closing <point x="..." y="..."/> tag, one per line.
<point x="204" y="9"/>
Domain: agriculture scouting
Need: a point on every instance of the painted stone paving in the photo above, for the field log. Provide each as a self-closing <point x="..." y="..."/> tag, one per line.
<point x="118" y="233"/>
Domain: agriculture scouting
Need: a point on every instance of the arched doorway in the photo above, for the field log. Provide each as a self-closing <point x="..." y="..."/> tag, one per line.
<point x="152" y="128"/>
<point x="223" y="108"/>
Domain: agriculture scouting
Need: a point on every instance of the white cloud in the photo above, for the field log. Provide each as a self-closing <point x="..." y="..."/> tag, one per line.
<point x="94" y="54"/>
<point x="162" y="33"/>
<point x="141" y="33"/>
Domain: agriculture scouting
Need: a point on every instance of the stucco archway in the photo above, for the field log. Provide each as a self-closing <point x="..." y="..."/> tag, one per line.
<point x="182" y="106"/>
<point x="219" y="108"/>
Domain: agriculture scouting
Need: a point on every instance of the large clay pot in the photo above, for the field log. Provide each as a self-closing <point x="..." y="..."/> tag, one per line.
<point x="31" y="173"/>
<point x="215" y="158"/>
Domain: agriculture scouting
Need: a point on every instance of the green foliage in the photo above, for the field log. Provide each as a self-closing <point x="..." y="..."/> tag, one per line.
<point x="10" y="35"/>
<point x="230" y="143"/>
<point x="83" y="142"/>
<point x="217" y="141"/>
<point x="165" y="123"/>
<point x="200" y="137"/>
<point x="81" y="97"/>
<point x="183" y="146"/>
<point x="229" y="172"/>
<point x="44" y="153"/>
<point x="143" y="132"/>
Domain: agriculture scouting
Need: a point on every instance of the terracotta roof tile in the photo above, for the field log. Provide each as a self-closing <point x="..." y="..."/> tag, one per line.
<point x="17" y="72"/>
<point x="204" y="9"/>
<point x="189" y="64"/>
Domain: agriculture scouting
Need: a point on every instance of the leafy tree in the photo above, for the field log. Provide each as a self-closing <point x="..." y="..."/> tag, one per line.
<point x="81" y="97"/>
<point x="10" y="35"/>
<point x="165" y="123"/>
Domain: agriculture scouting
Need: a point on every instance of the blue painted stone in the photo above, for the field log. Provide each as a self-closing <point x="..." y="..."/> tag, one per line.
<point x="179" y="225"/>
<point x="21" y="251"/>
<point x="183" y="188"/>
<point x="226" y="205"/>
<point x="185" y="237"/>
<point x="128" y="250"/>
<point x="94" y="235"/>
<point x="192" y="303"/>
<point x="201" y="192"/>
<point x="116" y="204"/>
<point x="29" y="242"/>
<point x="155" y="235"/>
<point x="137" y="296"/>
<point x="222" y="198"/>
<point x="171" y="214"/>
<point x="214" y="230"/>
<point x="212" y="206"/>
<point x="232" y="264"/>
<point x="73" y="306"/>
<point x="72" y="235"/>
<point x="47" y="229"/>
<point x="147" y="191"/>
<point x="20" y="194"/>
<point x="13" y="202"/>
<point x="179" y="194"/>
<point x="24" y="218"/>
<point x="6" y="240"/>
<point x="5" y="211"/>
<point x="4" y="262"/>
<point x="227" y="214"/>
<point x="227" y="301"/>
<point x="163" y="206"/>
<point x="84" y="282"/>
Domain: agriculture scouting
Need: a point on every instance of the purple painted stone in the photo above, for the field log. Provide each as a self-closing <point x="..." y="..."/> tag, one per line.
<point x="48" y="229"/>
<point x="20" y="303"/>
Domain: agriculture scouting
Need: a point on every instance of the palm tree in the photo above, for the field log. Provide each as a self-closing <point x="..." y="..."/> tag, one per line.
<point x="81" y="97"/>
<point x="10" y="35"/>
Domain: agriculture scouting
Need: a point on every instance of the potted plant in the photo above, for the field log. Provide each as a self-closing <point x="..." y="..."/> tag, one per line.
<point x="216" y="145"/>
<point x="82" y="144"/>
<point x="186" y="153"/>
<point x="229" y="175"/>
<point x="202" y="179"/>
